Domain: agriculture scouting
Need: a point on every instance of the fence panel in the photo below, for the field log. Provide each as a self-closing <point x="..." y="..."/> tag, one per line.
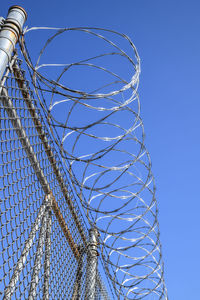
<point x="37" y="258"/>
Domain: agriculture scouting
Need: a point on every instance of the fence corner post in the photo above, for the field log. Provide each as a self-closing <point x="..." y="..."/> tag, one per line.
<point x="11" y="28"/>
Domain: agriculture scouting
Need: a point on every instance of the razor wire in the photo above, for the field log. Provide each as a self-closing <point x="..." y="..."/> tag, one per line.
<point x="100" y="136"/>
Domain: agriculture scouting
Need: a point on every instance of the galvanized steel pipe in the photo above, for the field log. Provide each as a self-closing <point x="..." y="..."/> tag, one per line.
<point x="92" y="265"/>
<point x="9" y="35"/>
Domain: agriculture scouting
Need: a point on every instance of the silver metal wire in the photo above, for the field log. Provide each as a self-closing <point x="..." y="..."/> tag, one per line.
<point x="100" y="136"/>
<point x="41" y="233"/>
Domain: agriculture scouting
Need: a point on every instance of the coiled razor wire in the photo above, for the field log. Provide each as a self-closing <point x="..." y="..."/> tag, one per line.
<point x="93" y="111"/>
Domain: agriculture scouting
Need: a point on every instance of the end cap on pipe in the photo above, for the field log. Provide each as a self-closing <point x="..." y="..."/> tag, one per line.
<point x="17" y="15"/>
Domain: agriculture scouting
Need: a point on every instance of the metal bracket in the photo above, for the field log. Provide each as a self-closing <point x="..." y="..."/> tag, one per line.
<point x="2" y="21"/>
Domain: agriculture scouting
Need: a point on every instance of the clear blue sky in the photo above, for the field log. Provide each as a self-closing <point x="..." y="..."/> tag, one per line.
<point x="166" y="34"/>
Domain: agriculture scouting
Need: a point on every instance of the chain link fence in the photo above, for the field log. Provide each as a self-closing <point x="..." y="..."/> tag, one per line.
<point x="61" y="235"/>
<point x="43" y="240"/>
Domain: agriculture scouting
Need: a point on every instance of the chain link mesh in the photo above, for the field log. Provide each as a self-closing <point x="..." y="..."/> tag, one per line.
<point x="43" y="254"/>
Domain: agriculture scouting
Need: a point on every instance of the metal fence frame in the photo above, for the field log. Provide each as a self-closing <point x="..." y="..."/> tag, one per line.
<point x="11" y="28"/>
<point x="48" y="248"/>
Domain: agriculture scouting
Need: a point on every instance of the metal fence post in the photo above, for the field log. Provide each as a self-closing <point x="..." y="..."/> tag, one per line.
<point x="92" y="262"/>
<point x="9" y="35"/>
